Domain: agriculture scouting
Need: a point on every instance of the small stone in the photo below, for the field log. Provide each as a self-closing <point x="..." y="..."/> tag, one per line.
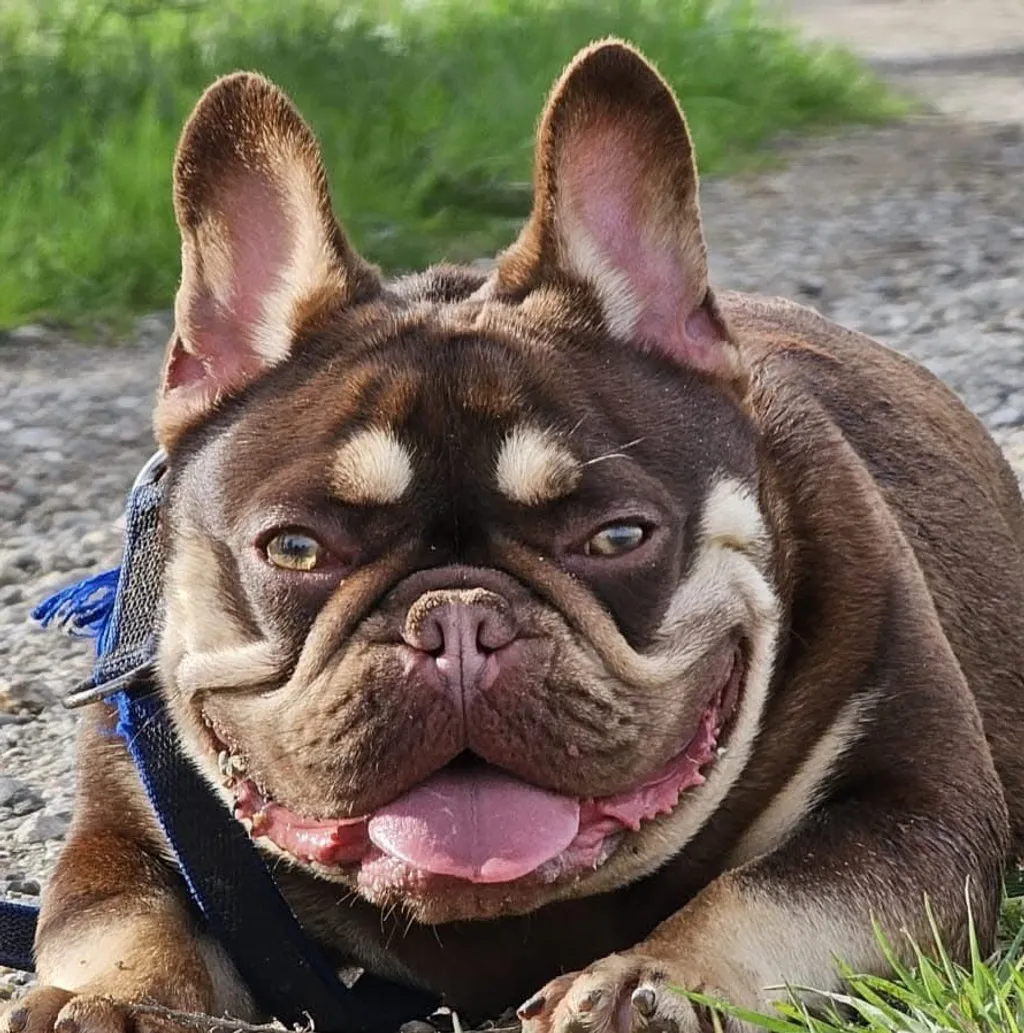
<point x="812" y="286"/>
<point x="12" y="506"/>
<point x="37" y="439"/>
<point x="154" y="330"/>
<point x="1005" y="416"/>
<point x="28" y="802"/>
<point x="27" y="887"/>
<point x="30" y="333"/>
<point x="41" y="826"/>
<point x="10" y="788"/>
<point x="26" y="695"/>
<point x="27" y="560"/>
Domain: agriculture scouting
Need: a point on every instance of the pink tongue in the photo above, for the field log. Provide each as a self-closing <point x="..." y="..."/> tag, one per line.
<point x="482" y="826"/>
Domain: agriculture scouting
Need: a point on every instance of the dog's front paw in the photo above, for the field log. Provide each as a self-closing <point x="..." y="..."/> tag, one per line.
<point x="627" y="993"/>
<point x="48" y="1009"/>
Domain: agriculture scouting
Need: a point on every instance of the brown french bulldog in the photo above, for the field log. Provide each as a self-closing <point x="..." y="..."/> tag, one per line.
<point x="567" y="631"/>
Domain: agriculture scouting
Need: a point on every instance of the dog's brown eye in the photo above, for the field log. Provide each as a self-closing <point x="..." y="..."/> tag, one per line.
<point x="294" y="550"/>
<point x="615" y="540"/>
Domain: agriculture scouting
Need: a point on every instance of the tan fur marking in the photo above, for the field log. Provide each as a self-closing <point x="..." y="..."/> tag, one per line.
<point x="754" y="948"/>
<point x="119" y="958"/>
<point x="533" y="467"/>
<point x="795" y="945"/>
<point x="192" y="575"/>
<point x="372" y="468"/>
<point x="91" y="956"/>
<point x="782" y="816"/>
<point x="732" y="517"/>
<point x="251" y="664"/>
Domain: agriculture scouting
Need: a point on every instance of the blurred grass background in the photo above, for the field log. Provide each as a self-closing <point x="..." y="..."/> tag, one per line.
<point x="426" y="110"/>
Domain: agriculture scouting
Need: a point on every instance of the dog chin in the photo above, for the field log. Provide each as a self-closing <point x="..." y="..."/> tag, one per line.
<point x="474" y="842"/>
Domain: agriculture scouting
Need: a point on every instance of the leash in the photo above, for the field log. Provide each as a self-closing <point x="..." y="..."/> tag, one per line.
<point x="228" y="881"/>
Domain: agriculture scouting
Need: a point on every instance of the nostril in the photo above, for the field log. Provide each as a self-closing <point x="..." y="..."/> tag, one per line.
<point x="426" y="635"/>
<point x="495" y="631"/>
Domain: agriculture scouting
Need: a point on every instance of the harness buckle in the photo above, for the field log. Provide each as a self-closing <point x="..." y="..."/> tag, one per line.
<point x="88" y="691"/>
<point x="154" y="469"/>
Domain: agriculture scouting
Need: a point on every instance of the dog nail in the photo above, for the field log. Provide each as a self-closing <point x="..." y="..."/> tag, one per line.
<point x="532" y="1008"/>
<point x="17" y="1020"/>
<point x="645" y="1001"/>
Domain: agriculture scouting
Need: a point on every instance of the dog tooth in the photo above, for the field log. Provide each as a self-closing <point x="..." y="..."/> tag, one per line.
<point x="258" y="823"/>
<point x="222" y="764"/>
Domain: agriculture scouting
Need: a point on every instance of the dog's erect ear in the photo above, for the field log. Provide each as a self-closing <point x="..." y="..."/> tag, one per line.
<point x="261" y="250"/>
<point x="616" y="206"/>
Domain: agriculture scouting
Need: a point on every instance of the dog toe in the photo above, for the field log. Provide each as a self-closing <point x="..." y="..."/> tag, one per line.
<point x="36" y="1011"/>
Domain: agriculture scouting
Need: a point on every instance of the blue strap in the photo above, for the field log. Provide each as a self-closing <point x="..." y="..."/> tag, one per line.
<point x="229" y="883"/>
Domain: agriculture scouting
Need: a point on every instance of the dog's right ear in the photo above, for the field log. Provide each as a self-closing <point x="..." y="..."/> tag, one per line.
<point x="261" y="250"/>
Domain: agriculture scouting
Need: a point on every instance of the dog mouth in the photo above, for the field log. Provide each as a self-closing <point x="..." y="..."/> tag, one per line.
<point x="476" y="823"/>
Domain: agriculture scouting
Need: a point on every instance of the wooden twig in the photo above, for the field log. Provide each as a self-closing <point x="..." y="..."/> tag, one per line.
<point x="210" y="1023"/>
<point x="226" y="1024"/>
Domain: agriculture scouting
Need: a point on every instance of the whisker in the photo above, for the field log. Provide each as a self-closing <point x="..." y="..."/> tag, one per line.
<point x="620" y="453"/>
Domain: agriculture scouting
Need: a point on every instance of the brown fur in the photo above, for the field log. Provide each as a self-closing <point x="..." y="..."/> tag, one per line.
<point x="810" y="495"/>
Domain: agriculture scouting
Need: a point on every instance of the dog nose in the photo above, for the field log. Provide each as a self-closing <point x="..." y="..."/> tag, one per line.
<point x="461" y="630"/>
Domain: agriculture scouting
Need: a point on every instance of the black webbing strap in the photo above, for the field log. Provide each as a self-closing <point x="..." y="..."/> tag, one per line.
<point x="17" y="934"/>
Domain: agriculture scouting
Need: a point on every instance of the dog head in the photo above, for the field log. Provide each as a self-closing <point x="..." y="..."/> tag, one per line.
<point x="468" y="584"/>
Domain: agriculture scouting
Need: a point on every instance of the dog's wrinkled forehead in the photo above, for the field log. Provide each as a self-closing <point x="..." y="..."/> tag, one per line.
<point x="440" y="397"/>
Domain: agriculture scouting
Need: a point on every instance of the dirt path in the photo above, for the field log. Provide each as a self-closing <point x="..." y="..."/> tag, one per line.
<point x="963" y="57"/>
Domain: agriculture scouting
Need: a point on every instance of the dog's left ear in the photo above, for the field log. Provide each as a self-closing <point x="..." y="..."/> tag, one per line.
<point x="616" y="207"/>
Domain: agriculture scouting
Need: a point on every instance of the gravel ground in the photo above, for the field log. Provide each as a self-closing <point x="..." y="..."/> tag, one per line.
<point x="914" y="234"/>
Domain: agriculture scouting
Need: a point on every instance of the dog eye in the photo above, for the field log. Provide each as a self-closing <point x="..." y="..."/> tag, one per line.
<point x="295" y="550"/>
<point x="615" y="540"/>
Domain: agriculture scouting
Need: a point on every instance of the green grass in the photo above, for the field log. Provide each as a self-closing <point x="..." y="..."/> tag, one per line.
<point x="426" y="109"/>
<point x="932" y="995"/>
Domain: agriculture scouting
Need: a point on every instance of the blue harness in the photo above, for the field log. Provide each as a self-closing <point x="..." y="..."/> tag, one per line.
<point x="231" y="888"/>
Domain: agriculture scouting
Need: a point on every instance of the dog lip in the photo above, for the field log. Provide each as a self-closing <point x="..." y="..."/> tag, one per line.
<point x="345" y="844"/>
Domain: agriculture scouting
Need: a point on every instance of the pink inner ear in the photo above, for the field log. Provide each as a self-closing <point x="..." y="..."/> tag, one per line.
<point x="634" y="219"/>
<point x="262" y="241"/>
<point x="253" y="252"/>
